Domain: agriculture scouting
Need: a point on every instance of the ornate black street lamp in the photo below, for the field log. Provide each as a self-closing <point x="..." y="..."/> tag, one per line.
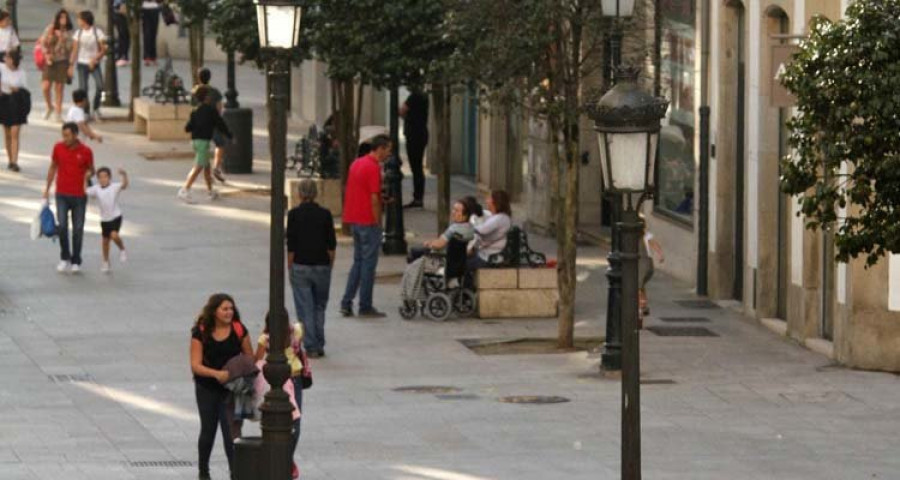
<point x="279" y="33"/>
<point x="611" y="358"/>
<point x="111" y="93"/>
<point x="627" y="121"/>
<point x="394" y="231"/>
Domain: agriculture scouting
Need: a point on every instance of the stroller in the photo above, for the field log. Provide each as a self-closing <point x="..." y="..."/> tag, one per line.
<point x="438" y="284"/>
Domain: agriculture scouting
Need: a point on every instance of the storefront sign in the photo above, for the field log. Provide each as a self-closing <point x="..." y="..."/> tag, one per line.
<point x="781" y="58"/>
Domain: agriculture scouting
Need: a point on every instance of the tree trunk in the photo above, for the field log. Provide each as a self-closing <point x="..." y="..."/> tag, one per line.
<point x="346" y="123"/>
<point x="134" y="30"/>
<point x="440" y="97"/>
<point x="196" y="43"/>
<point x="568" y="247"/>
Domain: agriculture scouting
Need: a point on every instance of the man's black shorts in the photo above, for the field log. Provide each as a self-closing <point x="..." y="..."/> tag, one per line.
<point x="106" y="228"/>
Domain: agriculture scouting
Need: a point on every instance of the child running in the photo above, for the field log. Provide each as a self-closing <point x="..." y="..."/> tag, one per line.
<point x="107" y="194"/>
<point x="77" y="114"/>
<point x="204" y="122"/>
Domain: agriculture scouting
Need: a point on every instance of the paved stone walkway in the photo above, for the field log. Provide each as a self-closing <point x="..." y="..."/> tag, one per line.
<point x="95" y="378"/>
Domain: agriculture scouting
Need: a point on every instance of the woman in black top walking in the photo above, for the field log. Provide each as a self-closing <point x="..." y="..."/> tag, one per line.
<point x="217" y="336"/>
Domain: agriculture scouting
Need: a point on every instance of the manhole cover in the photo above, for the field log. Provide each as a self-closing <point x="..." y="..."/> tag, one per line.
<point x="161" y="464"/>
<point x="72" y="378"/>
<point x="697" y="304"/>
<point x="432" y="389"/>
<point x="682" y="331"/>
<point x="463" y="396"/>
<point x="657" y="381"/>
<point x="170" y="155"/>
<point x="684" y="319"/>
<point x="533" y="399"/>
<point x="527" y="346"/>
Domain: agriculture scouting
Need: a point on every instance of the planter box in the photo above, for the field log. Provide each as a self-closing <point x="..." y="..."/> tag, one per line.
<point x="330" y="195"/>
<point x="161" y="121"/>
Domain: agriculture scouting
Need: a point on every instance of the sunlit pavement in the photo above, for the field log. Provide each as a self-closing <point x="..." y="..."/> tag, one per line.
<point x="95" y="382"/>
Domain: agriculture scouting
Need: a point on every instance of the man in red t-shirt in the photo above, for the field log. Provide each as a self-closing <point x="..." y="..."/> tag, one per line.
<point x="362" y="211"/>
<point x="72" y="164"/>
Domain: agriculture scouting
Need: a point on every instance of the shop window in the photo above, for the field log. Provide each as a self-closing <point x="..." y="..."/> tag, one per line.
<point x="675" y="181"/>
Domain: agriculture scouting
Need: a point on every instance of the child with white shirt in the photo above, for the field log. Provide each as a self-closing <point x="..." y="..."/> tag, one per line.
<point x="107" y="194"/>
<point x="77" y="114"/>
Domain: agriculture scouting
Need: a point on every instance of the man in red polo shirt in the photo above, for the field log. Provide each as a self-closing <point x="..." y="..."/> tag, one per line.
<point x="362" y="211"/>
<point x="73" y="163"/>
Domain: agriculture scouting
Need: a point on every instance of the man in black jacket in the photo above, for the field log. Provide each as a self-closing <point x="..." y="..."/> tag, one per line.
<point x="311" y="244"/>
<point x="204" y="122"/>
<point x="415" y="128"/>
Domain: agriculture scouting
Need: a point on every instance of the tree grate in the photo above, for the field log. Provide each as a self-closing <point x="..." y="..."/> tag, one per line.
<point x="461" y="396"/>
<point x="684" y="319"/>
<point x="667" y="331"/>
<point x="698" y="304"/>
<point x="72" y="378"/>
<point x="533" y="400"/>
<point x="657" y="381"/>
<point x="161" y="464"/>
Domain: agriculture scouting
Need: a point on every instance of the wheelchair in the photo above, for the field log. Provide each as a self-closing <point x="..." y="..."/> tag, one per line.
<point x="443" y="287"/>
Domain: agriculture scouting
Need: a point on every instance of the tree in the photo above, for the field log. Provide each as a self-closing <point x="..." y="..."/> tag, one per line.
<point x="846" y="77"/>
<point x="534" y="55"/>
<point x="194" y="14"/>
<point x="234" y="24"/>
<point x="134" y="30"/>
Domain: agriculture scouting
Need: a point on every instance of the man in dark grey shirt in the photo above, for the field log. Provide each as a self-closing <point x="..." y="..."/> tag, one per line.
<point x="311" y="244"/>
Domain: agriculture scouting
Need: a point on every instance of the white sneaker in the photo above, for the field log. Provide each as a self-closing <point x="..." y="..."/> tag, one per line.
<point x="75" y="268"/>
<point x="213" y="194"/>
<point x="185" y="195"/>
<point x="63" y="266"/>
<point x="104" y="267"/>
<point x="47" y="114"/>
<point x="123" y="257"/>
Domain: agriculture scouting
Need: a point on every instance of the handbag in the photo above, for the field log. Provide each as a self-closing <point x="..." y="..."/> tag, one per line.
<point x="168" y="15"/>
<point x="40" y="60"/>
<point x="306" y="380"/>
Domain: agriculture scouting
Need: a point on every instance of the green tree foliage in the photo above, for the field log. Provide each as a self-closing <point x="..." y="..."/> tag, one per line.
<point x="846" y="78"/>
<point x="194" y="14"/>
<point x="234" y="24"/>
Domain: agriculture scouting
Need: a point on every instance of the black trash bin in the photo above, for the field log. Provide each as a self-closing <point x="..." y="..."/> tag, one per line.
<point x="239" y="154"/>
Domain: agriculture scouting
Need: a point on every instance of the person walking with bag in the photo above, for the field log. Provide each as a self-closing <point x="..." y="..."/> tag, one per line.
<point x="362" y="211"/>
<point x="217" y="336"/>
<point x="87" y="53"/>
<point x="57" y="44"/>
<point x="311" y="245"/>
<point x="15" y="104"/>
<point x="71" y="163"/>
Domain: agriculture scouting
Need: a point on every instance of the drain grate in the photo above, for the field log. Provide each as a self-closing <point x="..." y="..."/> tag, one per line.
<point x="462" y="396"/>
<point x="658" y="381"/>
<point x="684" y="319"/>
<point x="682" y="331"/>
<point x="533" y="399"/>
<point x="432" y="389"/>
<point x="161" y="464"/>
<point x="72" y="378"/>
<point x="698" y="304"/>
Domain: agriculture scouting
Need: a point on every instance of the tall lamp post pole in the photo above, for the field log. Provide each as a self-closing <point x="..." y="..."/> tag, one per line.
<point x="627" y="121"/>
<point x="394" y="231"/>
<point x="611" y="358"/>
<point x="111" y="93"/>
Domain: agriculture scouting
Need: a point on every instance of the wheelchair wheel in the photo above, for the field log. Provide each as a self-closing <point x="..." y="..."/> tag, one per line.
<point x="465" y="303"/>
<point x="409" y="309"/>
<point x="438" y="307"/>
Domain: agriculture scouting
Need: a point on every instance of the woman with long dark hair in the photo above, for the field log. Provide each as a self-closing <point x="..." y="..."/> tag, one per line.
<point x="217" y="336"/>
<point x="57" y="43"/>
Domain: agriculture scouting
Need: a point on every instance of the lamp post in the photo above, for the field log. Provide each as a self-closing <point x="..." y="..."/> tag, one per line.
<point x="394" y="231"/>
<point x="627" y="121"/>
<point x="279" y="32"/>
<point x="111" y="93"/>
<point x="611" y="358"/>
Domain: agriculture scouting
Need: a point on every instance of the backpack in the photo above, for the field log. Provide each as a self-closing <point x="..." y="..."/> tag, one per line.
<point x="48" y="223"/>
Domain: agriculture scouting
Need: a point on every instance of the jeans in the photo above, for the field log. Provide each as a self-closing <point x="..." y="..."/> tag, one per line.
<point x="366" y="244"/>
<point x="150" y="21"/>
<point x="66" y="204"/>
<point x="84" y="71"/>
<point x="311" y="285"/>
<point x="123" y="38"/>
<point x="415" y="152"/>
<point x="298" y="396"/>
<point x="212" y="404"/>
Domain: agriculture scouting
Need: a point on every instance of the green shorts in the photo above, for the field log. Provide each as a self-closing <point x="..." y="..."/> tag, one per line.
<point x="201" y="152"/>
